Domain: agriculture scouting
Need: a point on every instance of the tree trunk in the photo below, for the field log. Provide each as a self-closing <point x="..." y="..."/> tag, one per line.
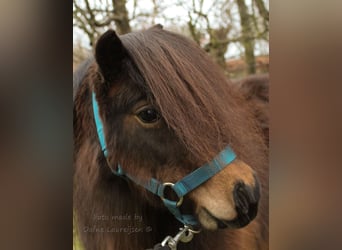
<point x="247" y="36"/>
<point x="122" y="25"/>
<point x="217" y="47"/>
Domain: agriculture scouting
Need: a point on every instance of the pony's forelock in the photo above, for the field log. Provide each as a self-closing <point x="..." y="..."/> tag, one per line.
<point x="192" y="93"/>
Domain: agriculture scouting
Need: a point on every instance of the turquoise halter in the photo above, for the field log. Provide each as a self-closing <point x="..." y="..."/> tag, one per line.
<point x="182" y="187"/>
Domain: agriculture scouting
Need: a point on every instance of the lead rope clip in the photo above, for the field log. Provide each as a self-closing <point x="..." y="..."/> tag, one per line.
<point x="184" y="235"/>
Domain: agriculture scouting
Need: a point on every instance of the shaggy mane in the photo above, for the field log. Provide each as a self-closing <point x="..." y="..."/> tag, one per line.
<point x="193" y="95"/>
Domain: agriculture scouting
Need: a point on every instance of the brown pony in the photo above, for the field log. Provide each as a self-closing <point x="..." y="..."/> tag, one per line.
<point x="166" y="109"/>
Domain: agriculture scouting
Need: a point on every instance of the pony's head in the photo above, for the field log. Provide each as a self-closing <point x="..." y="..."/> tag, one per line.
<point x="167" y="109"/>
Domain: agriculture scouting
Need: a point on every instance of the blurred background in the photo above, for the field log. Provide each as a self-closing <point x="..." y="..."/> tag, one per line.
<point x="234" y="32"/>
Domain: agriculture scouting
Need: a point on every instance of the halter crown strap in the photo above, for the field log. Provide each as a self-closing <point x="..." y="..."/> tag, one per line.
<point x="183" y="186"/>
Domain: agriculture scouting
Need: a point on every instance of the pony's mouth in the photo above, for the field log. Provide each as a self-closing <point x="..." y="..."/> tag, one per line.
<point x="242" y="219"/>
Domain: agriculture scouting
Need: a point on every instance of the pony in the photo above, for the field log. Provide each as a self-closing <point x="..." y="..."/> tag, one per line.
<point x="166" y="109"/>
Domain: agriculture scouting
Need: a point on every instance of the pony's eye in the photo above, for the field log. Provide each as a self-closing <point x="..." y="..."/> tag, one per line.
<point x="148" y="115"/>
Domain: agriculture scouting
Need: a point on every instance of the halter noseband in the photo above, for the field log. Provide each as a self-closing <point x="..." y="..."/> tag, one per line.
<point x="181" y="187"/>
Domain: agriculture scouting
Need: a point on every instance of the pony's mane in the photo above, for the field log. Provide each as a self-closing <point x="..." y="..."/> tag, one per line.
<point x="193" y="95"/>
<point x="255" y="87"/>
<point x="79" y="74"/>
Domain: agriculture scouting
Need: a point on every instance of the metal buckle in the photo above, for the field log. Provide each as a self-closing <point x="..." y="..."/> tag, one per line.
<point x="170" y="184"/>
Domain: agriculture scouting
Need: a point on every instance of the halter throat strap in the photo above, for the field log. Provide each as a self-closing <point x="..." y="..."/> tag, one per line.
<point x="181" y="187"/>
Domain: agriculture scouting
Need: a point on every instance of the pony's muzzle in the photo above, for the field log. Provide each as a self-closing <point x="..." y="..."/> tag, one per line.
<point x="229" y="199"/>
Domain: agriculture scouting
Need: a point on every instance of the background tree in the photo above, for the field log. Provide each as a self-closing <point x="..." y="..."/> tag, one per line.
<point x="92" y="16"/>
<point x="247" y="38"/>
<point x="263" y="11"/>
<point x="217" y="43"/>
<point x="224" y="28"/>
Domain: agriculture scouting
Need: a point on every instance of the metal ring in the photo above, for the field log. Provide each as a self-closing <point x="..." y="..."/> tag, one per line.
<point x="170" y="184"/>
<point x="194" y="231"/>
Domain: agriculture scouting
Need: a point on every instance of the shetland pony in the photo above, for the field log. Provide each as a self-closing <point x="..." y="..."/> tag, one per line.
<point x="166" y="109"/>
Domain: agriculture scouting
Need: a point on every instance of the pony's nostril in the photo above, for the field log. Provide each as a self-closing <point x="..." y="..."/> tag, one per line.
<point x="246" y="199"/>
<point x="242" y="199"/>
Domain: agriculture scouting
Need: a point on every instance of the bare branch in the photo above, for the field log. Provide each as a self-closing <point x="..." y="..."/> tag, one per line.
<point x="134" y="9"/>
<point x="262" y="9"/>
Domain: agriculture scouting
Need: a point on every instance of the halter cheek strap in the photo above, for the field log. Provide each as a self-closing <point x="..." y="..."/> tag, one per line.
<point x="181" y="187"/>
<point x="99" y="126"/>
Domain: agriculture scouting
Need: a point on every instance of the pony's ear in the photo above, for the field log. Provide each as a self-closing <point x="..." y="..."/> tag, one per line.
<point x="109" y="53"/>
